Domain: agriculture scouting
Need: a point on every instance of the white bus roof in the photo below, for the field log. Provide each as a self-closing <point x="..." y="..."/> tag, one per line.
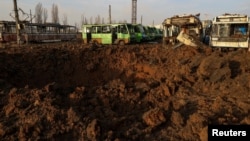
<point x="231" y="18"/>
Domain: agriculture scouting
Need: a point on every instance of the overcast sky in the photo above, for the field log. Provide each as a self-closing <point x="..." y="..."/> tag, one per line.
<point x="151" y="11"/>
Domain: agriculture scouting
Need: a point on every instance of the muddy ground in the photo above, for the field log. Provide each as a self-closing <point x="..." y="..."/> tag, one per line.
<point x="69" y="91"/>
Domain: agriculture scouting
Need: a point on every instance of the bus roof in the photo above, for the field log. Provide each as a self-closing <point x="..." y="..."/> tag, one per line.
<point x="182" y="20"/>
<point x="115" y="24"/>
<point x="231" y="18"/>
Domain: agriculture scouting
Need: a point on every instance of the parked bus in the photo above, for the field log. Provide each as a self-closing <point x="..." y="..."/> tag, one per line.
<point x="140" y="34"/>
<point x="230" y="31"/>
<point x="157" y="33"/>
<point x="150" y="33"/>
<point x="108" y="34"/>
<point x="36" y="32"/>
<point x="178" y="25"/>
<point x="49" y="32"/>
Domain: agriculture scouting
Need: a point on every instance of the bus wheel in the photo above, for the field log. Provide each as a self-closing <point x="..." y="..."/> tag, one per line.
<point x="95" y="44"/>
<point x="122" y="43"/>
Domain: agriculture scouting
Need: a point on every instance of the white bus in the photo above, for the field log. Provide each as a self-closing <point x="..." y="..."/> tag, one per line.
<point x="230" y="31"/>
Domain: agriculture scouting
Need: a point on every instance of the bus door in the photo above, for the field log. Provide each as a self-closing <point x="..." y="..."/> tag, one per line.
<point x="122" y="32"/>
<point x="106" y="34"/>
<point x="114" y="34"/>
<point x="88" y="32"/>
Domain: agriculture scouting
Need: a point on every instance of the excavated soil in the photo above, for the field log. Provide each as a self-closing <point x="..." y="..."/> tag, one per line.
<point x="70" y="91"/>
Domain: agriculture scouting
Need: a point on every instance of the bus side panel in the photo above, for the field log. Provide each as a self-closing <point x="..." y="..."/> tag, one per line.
<point x="124" y="37"/>
<point x="230" y="44"/>
<point x="138" y="37"/>
<point x="106" y="38"/>
<point x="96" y="37"/>
<point x="9" y="37"/>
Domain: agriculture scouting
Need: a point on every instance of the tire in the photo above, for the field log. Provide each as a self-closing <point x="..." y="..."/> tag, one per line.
<point x="121" y="43"/>
<point x="95" y="44"/>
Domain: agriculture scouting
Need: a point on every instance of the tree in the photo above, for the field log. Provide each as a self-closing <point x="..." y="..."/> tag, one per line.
<point x="54" y="14"/>
<point x="38" y="13"/>
<point x="86" y="21"/>
<point x="103" y="21"/>
<point x="45" y="15"/>
<point x="65" y="19"/>
<point x="82" y="20"/>
<point x="77" y="26"/>
<point x="91" y="20"/>
<point x="98" y="20"/>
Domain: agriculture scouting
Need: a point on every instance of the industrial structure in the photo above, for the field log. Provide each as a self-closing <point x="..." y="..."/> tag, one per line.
<point x="134" y="11"/>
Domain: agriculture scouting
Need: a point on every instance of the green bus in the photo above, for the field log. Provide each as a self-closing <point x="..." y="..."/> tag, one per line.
<point x="108" y="34"/>
<point x="140" y="34"/>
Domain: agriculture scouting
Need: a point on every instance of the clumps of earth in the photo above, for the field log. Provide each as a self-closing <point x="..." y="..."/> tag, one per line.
<point x="71" y="91"/>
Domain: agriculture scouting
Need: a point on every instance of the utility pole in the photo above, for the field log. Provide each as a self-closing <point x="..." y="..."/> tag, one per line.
<point x="17" y="22"/>
<point x="141" y="19"/>
<point x="134" y="11"/>
<point x="30" y="17"/>
<point x="110" y="14"/>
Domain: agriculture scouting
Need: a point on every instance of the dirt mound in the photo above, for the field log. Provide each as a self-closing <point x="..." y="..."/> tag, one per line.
<point x="138" y="92"/>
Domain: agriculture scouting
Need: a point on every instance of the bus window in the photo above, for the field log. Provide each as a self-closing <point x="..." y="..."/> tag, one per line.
<point x="238" y="30"/>
<point x="224" y="30"/>
<point x="130" y="28"/>
<point x="114" y="29"/>
<point x="12" y="29"/>
<point x="88" y="29"/>
<point x="215" y="30"/>
<point x="241" y="29"/>
<point x="1" y="28"/>
<point x="93" y="30"/>
<point x="137" y="29"/>
<point x="106" y="29"/>
<point x="123" y="29"/>
<point x="96" y="29"/>
<point x="99" y="29"/>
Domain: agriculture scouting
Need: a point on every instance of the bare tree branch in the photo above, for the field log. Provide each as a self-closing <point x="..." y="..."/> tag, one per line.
<point x="65" y="19"/>
<point x="45" y="15"/>
<point x="54" y="14"/>
<point x="38" y="13"/>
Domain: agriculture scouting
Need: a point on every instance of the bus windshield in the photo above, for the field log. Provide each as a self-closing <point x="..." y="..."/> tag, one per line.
<point x="229" y="30"/>
<point x="130" y="28"/>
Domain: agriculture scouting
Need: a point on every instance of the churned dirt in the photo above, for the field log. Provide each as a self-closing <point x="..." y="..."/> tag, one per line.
<point x="70" y="91"/>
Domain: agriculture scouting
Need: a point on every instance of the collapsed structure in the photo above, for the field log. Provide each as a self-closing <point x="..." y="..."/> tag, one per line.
<point x="186" y="29"/>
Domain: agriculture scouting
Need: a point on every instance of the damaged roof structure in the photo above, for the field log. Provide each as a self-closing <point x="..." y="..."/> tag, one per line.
<point x="182" y="29"/>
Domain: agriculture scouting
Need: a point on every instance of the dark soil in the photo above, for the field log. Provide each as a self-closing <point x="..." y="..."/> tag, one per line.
<point x="70" y="91"/>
